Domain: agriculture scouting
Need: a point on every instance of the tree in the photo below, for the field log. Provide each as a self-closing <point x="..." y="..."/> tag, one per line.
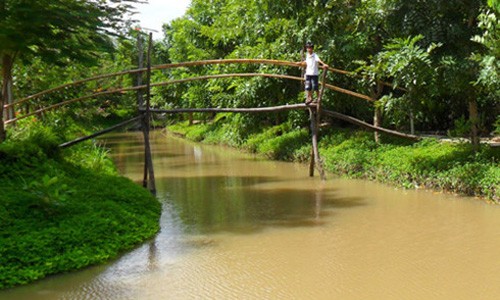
<point x="489" y="72"/>
<point x="409" y="66"/>
<point x="452" y="24"/>
<point x="57" y="31"/>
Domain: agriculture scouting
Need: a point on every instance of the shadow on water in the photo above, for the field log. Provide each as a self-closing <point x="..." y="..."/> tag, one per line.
<point x="248" y="204"/>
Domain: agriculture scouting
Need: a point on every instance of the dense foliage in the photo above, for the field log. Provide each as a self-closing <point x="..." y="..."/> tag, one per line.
<point x="60" y="32"/>
<point x="64" y="210"/>
<point x="443" y="53"/>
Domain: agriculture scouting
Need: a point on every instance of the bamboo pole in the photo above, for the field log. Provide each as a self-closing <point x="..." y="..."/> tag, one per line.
<point x="320" y="97"/>
<point x="235" y="110"/>
<point x="57" y="88"/>
<point x="369" y="126"/>
<point x="329" y="86"/>
<point x="149" y="175"/>
<point x="315" y="116"/>
<point x="376" y="92"/>
<point x="311" y="162"/>
<point x="314" y="133"/>
<point x="140" y="64"/>
<point x="317" y="158"/>
<point x="158" y="67"/>
<point x="289" y="107"/>
<point x="50" y="107"/>
<point x="101" y="132"/>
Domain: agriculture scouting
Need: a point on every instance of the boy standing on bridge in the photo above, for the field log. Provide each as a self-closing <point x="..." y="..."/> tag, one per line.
<point x="311" y="63"/>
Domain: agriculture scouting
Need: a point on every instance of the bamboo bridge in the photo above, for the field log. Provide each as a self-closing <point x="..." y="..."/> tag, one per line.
<point x="144" y="110"/>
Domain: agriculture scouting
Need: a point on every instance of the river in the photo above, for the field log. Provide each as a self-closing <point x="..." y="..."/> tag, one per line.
<point x="237" y="227"/>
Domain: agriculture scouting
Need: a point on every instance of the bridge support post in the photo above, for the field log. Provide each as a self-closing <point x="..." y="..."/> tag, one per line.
<point x="149" y="174"/>
<point x="140" y="65"/>
<point x="315" y="158"/>
<point x="315" y="116"/>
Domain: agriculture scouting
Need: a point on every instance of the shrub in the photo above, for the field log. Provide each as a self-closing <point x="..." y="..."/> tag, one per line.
<point x="254" y="141"/>
<point x="282" y="147"/>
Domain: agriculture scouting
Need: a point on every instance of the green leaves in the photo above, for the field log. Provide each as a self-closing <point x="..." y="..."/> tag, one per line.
<point x="48" y="191"/>
<point x="489" y="73"/>
<point x="405" y="62"/>
<point x="59" y="29"/>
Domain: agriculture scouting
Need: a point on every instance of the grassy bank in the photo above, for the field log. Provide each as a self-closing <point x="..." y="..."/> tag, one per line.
<point x="64" y="210"/>
<point x="426" y="164"/>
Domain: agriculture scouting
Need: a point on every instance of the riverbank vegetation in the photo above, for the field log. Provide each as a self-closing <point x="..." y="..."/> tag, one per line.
<point x="62" y="210"/>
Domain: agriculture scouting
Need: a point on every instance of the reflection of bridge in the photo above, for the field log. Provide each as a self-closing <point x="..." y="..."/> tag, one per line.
<point x="315" y="109"/>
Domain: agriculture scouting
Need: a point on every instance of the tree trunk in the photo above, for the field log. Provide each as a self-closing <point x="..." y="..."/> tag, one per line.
<point x="376" y="92"/>
<point x="377" y="122"/>
<point x="412" y="123"/>
<point x="474" y="121"/>
<point x="4" y="95"/>
<point x="190" y="116"/>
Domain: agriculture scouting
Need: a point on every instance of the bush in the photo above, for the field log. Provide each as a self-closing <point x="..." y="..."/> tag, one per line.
<point x="255" y="140"/>
<point x="283" y="147"/>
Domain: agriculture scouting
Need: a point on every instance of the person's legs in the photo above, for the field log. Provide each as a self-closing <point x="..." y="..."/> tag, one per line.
<point x="315" y="86"/>
<point x="309" y="86"/>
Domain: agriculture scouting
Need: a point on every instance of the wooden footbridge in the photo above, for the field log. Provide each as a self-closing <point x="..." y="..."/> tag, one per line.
<point x="145" y="110"/>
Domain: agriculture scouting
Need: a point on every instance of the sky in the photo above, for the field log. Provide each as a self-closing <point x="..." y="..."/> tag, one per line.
<point x="157" y="12"/>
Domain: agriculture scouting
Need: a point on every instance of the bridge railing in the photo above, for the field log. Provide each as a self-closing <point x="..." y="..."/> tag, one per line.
<point x="173" y="66"/>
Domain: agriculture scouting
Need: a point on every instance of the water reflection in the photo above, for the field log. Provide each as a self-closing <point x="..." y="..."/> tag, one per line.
<point x="249" y="203"/>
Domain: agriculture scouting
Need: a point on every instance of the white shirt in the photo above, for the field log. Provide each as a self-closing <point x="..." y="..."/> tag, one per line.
<point x="312" y="62"/>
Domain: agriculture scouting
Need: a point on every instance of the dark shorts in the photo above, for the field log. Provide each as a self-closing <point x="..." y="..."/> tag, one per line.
<point x="312" y="83"/>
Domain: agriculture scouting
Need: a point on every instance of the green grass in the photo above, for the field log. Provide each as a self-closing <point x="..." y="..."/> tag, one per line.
<point x="64" y="210"/>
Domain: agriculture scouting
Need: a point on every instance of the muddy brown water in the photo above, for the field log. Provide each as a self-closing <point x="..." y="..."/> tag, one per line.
<point x="236" y="227"/>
